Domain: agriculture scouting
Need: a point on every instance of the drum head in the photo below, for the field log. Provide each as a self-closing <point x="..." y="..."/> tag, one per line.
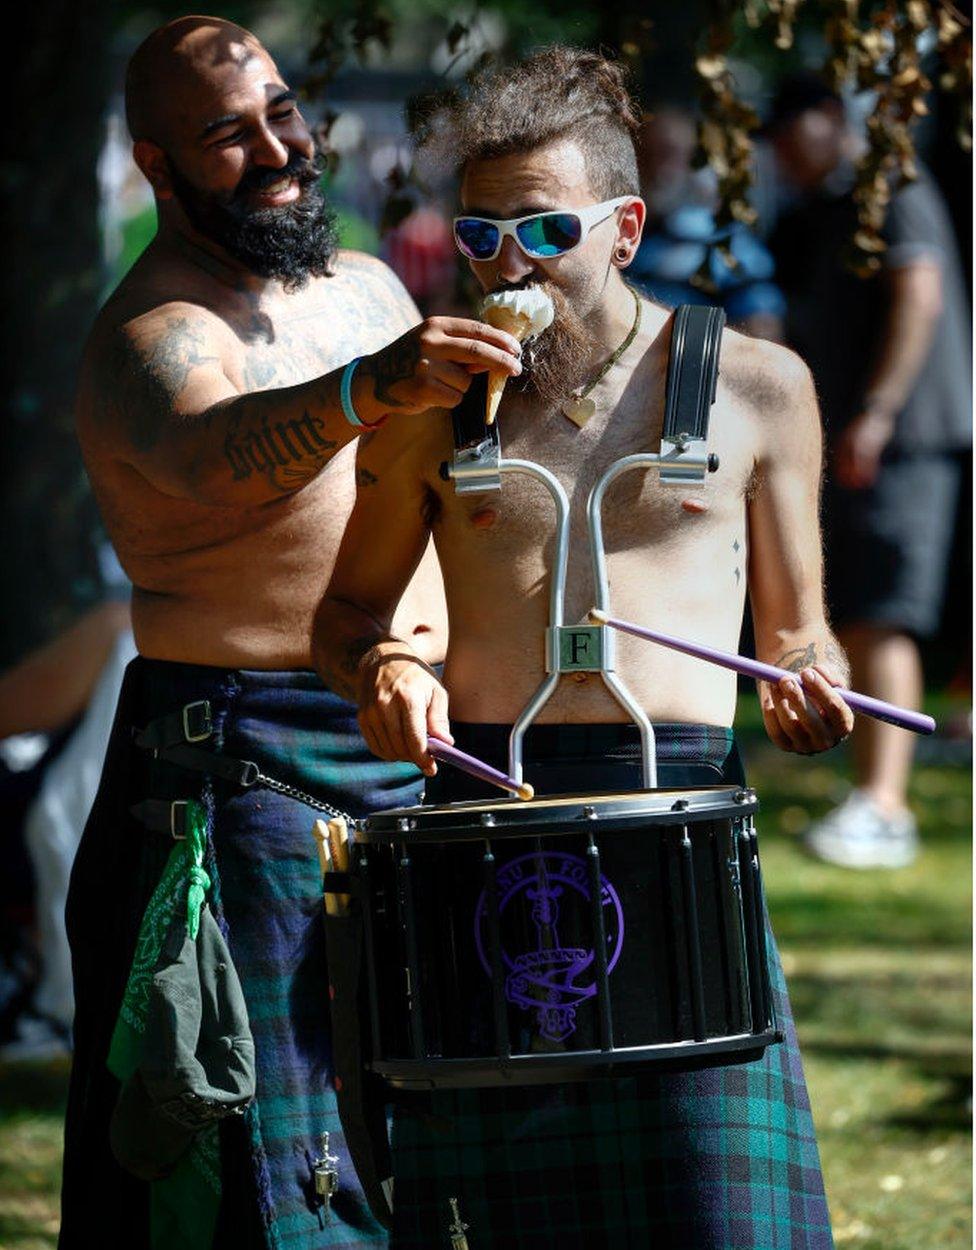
<point x="505" y="817"/>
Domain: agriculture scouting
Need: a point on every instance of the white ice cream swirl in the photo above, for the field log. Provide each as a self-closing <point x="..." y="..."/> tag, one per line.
<point x="531" y="302"/>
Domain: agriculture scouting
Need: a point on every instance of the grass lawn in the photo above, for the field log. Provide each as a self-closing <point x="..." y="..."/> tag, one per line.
<point x="879" y="966"/>
<point x="880" y="973"/>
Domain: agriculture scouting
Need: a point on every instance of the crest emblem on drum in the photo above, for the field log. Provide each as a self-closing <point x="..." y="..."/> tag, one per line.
<point x="539" y="895"/>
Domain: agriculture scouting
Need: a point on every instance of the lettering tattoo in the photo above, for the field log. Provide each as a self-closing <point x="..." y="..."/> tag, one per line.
<point x="288" y="452"/>
<point x="142" y="376"/>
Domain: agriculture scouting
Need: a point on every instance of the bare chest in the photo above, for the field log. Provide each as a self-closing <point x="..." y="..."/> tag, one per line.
<point x="296" y="342"/>
<point x="517" y="523"/>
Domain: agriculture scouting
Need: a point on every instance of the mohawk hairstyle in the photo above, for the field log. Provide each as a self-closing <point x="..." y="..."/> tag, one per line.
<point x="557" y="93"/>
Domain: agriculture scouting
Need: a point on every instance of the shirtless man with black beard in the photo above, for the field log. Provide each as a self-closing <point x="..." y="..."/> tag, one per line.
<point x="679" y="561"/>
<point x="212" y="423"/>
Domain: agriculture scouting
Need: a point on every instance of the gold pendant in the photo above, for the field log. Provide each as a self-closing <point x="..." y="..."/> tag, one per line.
<point x="579" y="410"/>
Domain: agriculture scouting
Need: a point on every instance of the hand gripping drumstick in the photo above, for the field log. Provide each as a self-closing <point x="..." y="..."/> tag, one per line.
<point x="478" y="768"/>
<point x="917" y="722"/>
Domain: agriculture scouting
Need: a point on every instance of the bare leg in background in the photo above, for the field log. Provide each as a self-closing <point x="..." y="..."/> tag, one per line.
<point x="885" y="663"/>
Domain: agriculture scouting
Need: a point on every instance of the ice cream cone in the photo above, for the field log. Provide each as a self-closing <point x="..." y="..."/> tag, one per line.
<point x="519" y="326"/>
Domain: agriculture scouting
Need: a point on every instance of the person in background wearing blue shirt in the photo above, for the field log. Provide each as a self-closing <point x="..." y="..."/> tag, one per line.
<point x="681" y="239"/>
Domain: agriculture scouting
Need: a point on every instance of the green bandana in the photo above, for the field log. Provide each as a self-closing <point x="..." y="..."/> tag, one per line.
<point x="184" y="1205"/>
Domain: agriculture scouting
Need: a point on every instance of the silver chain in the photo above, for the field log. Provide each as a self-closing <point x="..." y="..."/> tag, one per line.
<point x="293" y="792"/>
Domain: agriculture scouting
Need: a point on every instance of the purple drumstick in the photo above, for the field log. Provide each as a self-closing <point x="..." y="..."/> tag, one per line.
<point x="478" y="768"/>
<point x="904" y="718"/>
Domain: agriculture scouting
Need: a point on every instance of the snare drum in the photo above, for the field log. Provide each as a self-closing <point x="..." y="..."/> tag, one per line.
<point x="509" y="943"/>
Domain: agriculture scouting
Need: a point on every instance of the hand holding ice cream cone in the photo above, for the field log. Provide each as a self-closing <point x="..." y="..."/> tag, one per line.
<point x="523" y="313"/>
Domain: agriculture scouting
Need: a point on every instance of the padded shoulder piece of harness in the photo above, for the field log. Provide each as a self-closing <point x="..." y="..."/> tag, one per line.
<point x="696" y="338"/>
<point x="470" y="427"/>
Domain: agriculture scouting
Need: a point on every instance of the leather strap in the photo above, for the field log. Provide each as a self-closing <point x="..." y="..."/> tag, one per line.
<point x="162" y="816"/>
<point x="341" y="883"/>
<point x="192" y="723"/>
<point x="696" y="340"/>
<point x="468" y="418"/>
<point x="241" y="772"/>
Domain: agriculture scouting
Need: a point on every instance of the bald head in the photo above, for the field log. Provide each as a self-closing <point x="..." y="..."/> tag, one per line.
<point x="179" y="67"/>
<point x="222" y="142"/>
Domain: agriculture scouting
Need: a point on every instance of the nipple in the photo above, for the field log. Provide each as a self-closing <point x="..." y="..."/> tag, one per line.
<point x="484" y="518"/>
<point x="694" y="506"/>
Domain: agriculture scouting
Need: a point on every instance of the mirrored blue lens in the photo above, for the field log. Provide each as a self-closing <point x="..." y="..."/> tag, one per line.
<point x="476" y="238"/>
<point x="549" y="234"/>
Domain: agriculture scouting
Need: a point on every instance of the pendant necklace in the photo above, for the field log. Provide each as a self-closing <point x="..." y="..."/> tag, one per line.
<point x="579" y="407"/>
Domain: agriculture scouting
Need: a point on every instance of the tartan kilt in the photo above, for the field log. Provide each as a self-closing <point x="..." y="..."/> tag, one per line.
<point x="718" y="1159"/>
<point x="267" y="899"/>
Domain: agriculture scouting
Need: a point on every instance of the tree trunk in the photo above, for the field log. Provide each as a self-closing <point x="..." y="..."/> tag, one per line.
<point x="57" y="77"/>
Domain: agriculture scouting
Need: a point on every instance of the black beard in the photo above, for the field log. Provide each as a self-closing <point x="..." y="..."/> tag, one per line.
<point x="289" y="244"/>
<point x="556" y="362"/>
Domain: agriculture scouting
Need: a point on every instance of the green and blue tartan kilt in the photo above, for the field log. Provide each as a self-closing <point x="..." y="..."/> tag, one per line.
<point x="719" y="1159"/>
<point x="267" y="898"/>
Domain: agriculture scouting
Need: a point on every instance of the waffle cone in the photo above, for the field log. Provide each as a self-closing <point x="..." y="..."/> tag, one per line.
<point x="518" y="326"/>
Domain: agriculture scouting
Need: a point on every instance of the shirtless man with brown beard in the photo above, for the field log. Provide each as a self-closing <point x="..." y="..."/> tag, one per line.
<point x="670" y="1161"/>
<point x="212" y="422"/>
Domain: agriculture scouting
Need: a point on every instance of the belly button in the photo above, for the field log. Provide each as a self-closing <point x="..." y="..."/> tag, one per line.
<point x="694" y="506"/>
<point x="484" y="518"/>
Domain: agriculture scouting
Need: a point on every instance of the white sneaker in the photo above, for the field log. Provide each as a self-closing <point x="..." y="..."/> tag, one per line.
<point x="858" y="834"/>
<point x="37" y="1037"/>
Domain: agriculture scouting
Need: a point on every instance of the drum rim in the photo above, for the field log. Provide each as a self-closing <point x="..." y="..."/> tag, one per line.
<point x="507" y="817"/>
<point x="529" y="1069"/>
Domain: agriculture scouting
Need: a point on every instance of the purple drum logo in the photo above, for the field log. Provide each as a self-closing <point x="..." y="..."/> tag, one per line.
<point x="546" y="979"/>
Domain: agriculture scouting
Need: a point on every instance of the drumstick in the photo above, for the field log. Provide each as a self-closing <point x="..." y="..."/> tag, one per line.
<point x="339" y="846"/>
<point x="320" y="833"/>
<point x="478" y="768"/>
<point x="904" y="718"/>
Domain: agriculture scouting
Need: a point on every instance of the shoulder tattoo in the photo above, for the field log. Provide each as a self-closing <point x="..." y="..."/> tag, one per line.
<point x="146" y="381"/>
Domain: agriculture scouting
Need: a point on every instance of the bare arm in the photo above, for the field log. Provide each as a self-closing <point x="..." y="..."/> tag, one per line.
<point x="785" y="561"/>
<point x="353" y="645"/>
<point x="52" y="685"/>
<point x="914" y="309"/>
<point x="173" y="412"/>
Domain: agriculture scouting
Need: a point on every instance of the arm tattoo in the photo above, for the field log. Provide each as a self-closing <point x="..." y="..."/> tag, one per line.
<point x="342" y="673"/>
<point x="287" y="452"/>
<point x="397" y="362"/>
<point x="806" y="657"/>
<point x="148" y="382"/>
<point x="800" y="658"/>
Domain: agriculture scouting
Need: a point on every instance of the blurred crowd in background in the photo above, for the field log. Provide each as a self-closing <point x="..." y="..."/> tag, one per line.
<point x="891" y="360"/>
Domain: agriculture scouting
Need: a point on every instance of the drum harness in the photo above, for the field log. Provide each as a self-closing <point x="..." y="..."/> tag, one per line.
<point x="478" y="466"/>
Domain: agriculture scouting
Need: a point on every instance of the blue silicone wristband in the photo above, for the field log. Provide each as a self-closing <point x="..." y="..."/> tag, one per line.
<point x="345" y="393"/>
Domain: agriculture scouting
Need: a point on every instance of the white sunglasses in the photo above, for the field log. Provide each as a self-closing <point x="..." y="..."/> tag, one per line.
<point x="540" y="235"/>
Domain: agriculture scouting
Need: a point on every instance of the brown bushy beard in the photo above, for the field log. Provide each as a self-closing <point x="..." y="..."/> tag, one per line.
<point x="557" y="362"/>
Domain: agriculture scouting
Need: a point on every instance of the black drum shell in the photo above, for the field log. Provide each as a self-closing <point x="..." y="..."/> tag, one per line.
<point x="481" y="935"/>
